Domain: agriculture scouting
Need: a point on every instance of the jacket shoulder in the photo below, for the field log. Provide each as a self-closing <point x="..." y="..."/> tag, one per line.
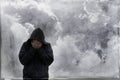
<point x="26" y="44"/>
<point x="46" y="43"/>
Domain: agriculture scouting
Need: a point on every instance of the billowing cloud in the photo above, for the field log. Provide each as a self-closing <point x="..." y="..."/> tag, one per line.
<point x="77" y="31"/>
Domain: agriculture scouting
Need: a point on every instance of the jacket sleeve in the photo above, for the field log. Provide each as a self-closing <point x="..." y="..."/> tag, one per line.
<point x="46" y="54"/>
<point x="26" y="55"/>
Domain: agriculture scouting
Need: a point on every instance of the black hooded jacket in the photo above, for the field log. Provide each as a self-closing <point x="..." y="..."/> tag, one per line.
<point x="36" y="61"/>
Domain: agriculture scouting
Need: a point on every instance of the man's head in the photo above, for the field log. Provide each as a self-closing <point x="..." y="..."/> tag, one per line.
<point x="37" y="38"/>
<point x="38" y="34"/>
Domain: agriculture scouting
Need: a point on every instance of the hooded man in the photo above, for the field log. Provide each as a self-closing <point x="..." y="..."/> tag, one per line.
<point x="36" y="55"/>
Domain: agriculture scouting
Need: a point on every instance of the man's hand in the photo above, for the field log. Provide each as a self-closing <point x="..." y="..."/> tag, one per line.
<point x="36" y="44"/>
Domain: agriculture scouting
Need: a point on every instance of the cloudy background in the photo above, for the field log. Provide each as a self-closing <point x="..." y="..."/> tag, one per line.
<point x="77" y="30"/>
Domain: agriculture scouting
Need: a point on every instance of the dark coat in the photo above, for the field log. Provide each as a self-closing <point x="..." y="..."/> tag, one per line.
<point x="36" y="61"/>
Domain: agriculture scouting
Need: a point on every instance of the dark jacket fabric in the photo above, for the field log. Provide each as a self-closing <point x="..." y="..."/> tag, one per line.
<point x="36" y="61"/>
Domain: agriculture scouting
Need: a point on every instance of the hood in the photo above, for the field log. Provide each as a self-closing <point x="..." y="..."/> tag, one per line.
<point x="38" y="35"/>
